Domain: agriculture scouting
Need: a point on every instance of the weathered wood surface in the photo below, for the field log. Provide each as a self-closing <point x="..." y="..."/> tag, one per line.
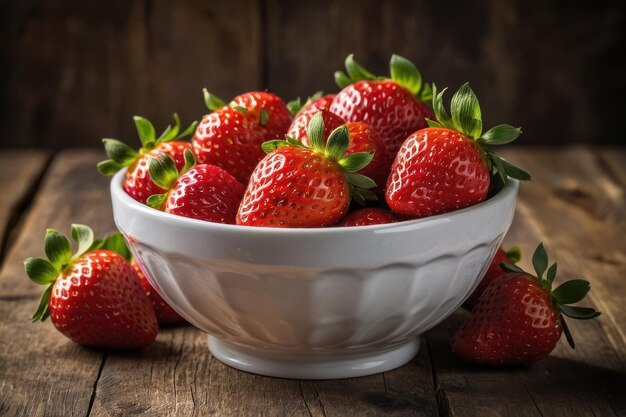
<point x="574" y="206"/>
<point x="73" y="71"/>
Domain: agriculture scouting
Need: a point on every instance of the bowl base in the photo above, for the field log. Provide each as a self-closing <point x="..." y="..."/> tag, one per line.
<point x="310" y="367"/>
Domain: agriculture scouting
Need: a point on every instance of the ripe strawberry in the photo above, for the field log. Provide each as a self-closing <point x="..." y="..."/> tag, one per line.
<point x="204" y="192"/>
<point x="137" y="183"/>
<point x="367" y="216"/>
<point x="494" y="272"/>
<point x="519" y="318"/>
<point x="447" y="166"/>
<point x="298" y="128"/>
<point x="395" y="107"/>
<point x="271" y="111"/>
<point x="312" y="105"/>
<point x="298" y="186"/>
<point x="93" y="297"/>
<point x="164" y="313"/>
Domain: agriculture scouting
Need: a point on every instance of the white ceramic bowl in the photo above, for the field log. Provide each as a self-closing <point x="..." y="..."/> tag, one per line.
<point x="315" y="303"/>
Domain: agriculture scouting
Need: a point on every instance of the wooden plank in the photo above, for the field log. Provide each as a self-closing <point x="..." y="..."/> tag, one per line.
<point x="103" y="64"/>
<point x="19" y="170"/>
<point x="178" y="376"/>
<point x="566" y="207"/>
<point x="72" y="192"/>
<point x="42" y="372"/>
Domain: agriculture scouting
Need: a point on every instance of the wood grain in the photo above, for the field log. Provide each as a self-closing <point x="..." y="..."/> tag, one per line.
<point x="41" y="371"/>
<point x="81" y="69"/>
<point x="22" y="169"/>
<point x="72" y="192"/>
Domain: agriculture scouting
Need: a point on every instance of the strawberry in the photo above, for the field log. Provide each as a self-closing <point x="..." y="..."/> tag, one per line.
<point x="367" y="216"/>
<point x="164" y="313"/>
<point x="271" y="111"/>
<point x="519" y="317"/>
<point x="300" y="186"/>
<point x="93" y="297"/>
<point x="494" y="272"/>
<point x="137" y="183"/>
<point x="447" y="166"/>
<point x="298" y="128"/>
<point x="231" y="139"/>
<point x="395" y="107"/>
<point x="204" y="192"/>
<point x="312" y="105"/>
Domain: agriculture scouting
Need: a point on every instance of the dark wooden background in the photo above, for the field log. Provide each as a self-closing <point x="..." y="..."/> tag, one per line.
<point x="74" y="71"/>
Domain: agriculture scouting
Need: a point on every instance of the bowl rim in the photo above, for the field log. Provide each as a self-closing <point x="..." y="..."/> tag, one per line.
<point x="117" y="192"/>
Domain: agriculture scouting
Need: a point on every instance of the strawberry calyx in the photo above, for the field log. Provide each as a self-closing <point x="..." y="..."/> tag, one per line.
<point x="335" y="148"/>
<point x="121" y="155"/>
<point x="569" y="292"/>
<point x="164" y="173"/>
<point x="401" y="70"/>
<point x="59" y="260"/>
<point x="295" y="105"/>
<point x="466" y="117"/>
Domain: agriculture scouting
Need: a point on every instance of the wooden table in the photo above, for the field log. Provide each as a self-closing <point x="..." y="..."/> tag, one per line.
<point x="576" y="206"/>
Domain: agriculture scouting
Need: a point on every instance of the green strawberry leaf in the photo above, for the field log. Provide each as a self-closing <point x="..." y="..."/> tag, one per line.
<point x="432" y="123"/>
<point x="568" y="334"/>
<point x="514" y="253"/>
<point x="515" y="171"/>
<point x="571" y="292"/>
<point x="500" y="135"/>
<point x="57" y="249"/>
<point x="465" y="110"/>
<point x="405" y="73"/>
<point x="356" y="161"/>
<point x="264" y="117"/>
<point x="342" y="80"/>
<point x="337" y="144"/>
<point x="507" y="267"/>
<point x="443" y="119"/>
<point x="109" y="167"/>
<point x="360" y="181"/>
<point x="190" y="161"/>
<point x="315" y="132"/>
<point x="43" y="312"/>
<point x="119" y="152"/>
<point x="271" y="145"/>
<point x="356" y="71"/>
<point x="551" y="275"/>
<point x="579" y="313"/>
<point x="115" y="242"/>
<point x="294" y="106"/>
<point x="163" y="171"/>
<point x="146" y="132"/>
<point x="191" y="129"/>
<point x="83" y="235"/>
<point x="156" y="201"/>
<point x="540" y="260"/>
<point x="211" y="101"/>
<point x="40" y="270"/>
<point x="425" y="94"/>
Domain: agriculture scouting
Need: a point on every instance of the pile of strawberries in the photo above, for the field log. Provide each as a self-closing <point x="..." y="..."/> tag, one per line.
<point x="381" y="150"/>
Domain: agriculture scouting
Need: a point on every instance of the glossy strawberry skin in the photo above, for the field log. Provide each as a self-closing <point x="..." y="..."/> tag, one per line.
<point x="295" y="187"/>
<point x="368" y="216"/>
<point x="364" y="138"/>
<point x="100" y="302"/>
<point x="205" y="192"/>
<point x="386" y="106"/>
<point x="493" y="273"/>
<point x="137" y="183"/>
<point x="230" y="139"/>
<point x="298" y="128"/>
<point x="322" y="103"/>
<point x="436" y="171"/>
<point x="279" y="115"/>
<point x="164" y="313"/>
<point x="514" y="322"/>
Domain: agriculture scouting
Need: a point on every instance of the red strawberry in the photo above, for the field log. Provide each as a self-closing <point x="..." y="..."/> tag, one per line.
<point x="93" y="297"/>
<point x="229" y="138"/>
<point x="137" y="183"/>
<point x="204" y="192"/>
<point x="315" y="103"/>
<point x="395" y="107"/>
<point x="298" y="186"/>
<point x="363" y="138"/>
<point x="273" y="115"/>
<point x="298" y="128"/>
<point x="164" y="313"/>
<point x="494" y="272"/>
<point x="447" y="166"/>
<point x="519" y="318"/>
<point x="368" y="216"/>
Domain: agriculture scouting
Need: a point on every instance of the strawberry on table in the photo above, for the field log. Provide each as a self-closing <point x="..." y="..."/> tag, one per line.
<point x="137" y="183"/>
<point x="205" y="192"/>
<point x="395" y="107"/>
<point x="494" y="272"/>
<point x="300" y="186"/>
<point x="93" y="297"/>
<point x="367" y="216"/>
<point x="519" y="317"/>
<point x="448" y="166"/>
